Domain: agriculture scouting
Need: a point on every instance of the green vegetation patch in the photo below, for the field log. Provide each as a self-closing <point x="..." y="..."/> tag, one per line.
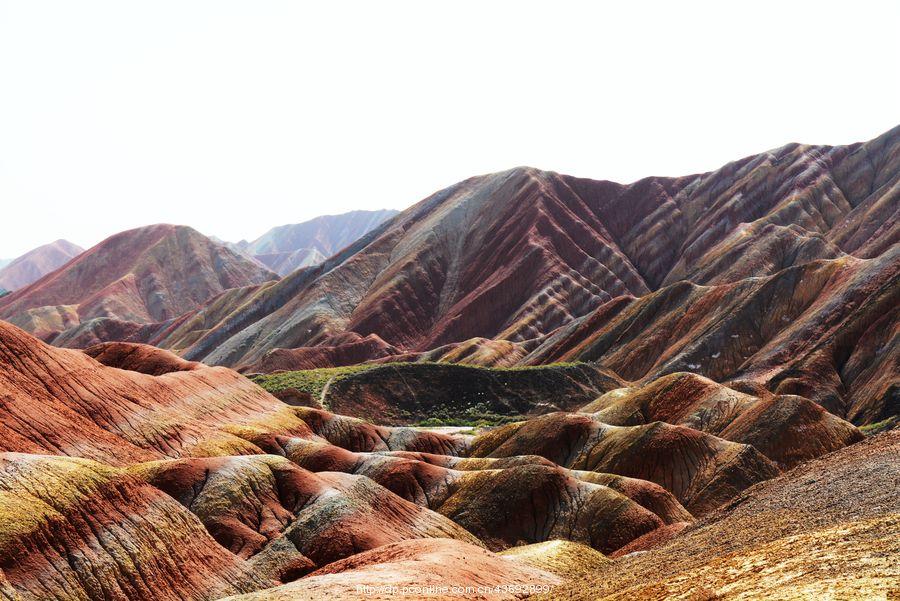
<point x="474" y="419"/>
<point x="312" y="381"/>
<point x="432" y="394"/>
<point x="882" y="426"/>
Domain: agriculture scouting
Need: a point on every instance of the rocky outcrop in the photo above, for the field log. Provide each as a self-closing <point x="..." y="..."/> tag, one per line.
<point x="536" y="503"/>
<point x="354" y="350"/>
<point x="290" y="520"/>
<point x="73" y="528"/>
<point x="141" y="358"/>
<point x="72" y="332"/>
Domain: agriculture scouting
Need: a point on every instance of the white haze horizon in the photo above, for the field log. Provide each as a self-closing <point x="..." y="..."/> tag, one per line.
<point x="236" y="117"/>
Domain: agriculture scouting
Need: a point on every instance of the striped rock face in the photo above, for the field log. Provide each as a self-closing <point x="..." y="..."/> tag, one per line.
<point x="830" y="527"/>
<point x="700" y="470"/>
<point x="64" y="402"/>
<point x="76" y="529"/>
<point x="673" y="362"/>
<point x="290" y="520"/>
<point x="834" y="342"/>
<point x="785" y="428"/>
<point x="195" y="483"/>
<point x="780" y="268"/>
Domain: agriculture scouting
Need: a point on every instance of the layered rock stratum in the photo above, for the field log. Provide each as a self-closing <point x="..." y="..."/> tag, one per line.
<point x="779" y="269"/>
<point x="128" y="472"/>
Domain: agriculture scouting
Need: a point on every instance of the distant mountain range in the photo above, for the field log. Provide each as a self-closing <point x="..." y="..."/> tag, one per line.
<point x="33" y="265"/>
<point x="287" y="248"/>
<point x="153" y="274"/>
<point x="146" y="275"/>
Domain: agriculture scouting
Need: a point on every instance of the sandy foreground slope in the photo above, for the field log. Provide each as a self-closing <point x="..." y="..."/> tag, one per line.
<point x="827" y="529"/>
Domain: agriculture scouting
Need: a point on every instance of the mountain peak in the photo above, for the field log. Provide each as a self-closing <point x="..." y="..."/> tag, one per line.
<point x="143" y="275"/>
<point x="36" y="263"/>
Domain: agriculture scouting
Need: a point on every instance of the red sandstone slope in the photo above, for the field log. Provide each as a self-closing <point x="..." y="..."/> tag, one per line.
<point x="37" y="263"/>
<point x="441" y="569"/>
<point x="216" y="477"/>
<point x="141" y="358"/>
<point x="700" y="470"/>
<point x="64" y="402"/>
<point x="274" y="519"/>
<point x="785" y="428"/>
<point x="146" y="275"/>
<point x="77" y="529"/>
<point x="516" y="255"/>
<point x="288" y="519"/>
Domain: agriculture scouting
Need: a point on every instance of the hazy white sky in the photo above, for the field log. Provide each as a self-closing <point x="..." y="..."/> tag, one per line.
<point x="234" y="117"/>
